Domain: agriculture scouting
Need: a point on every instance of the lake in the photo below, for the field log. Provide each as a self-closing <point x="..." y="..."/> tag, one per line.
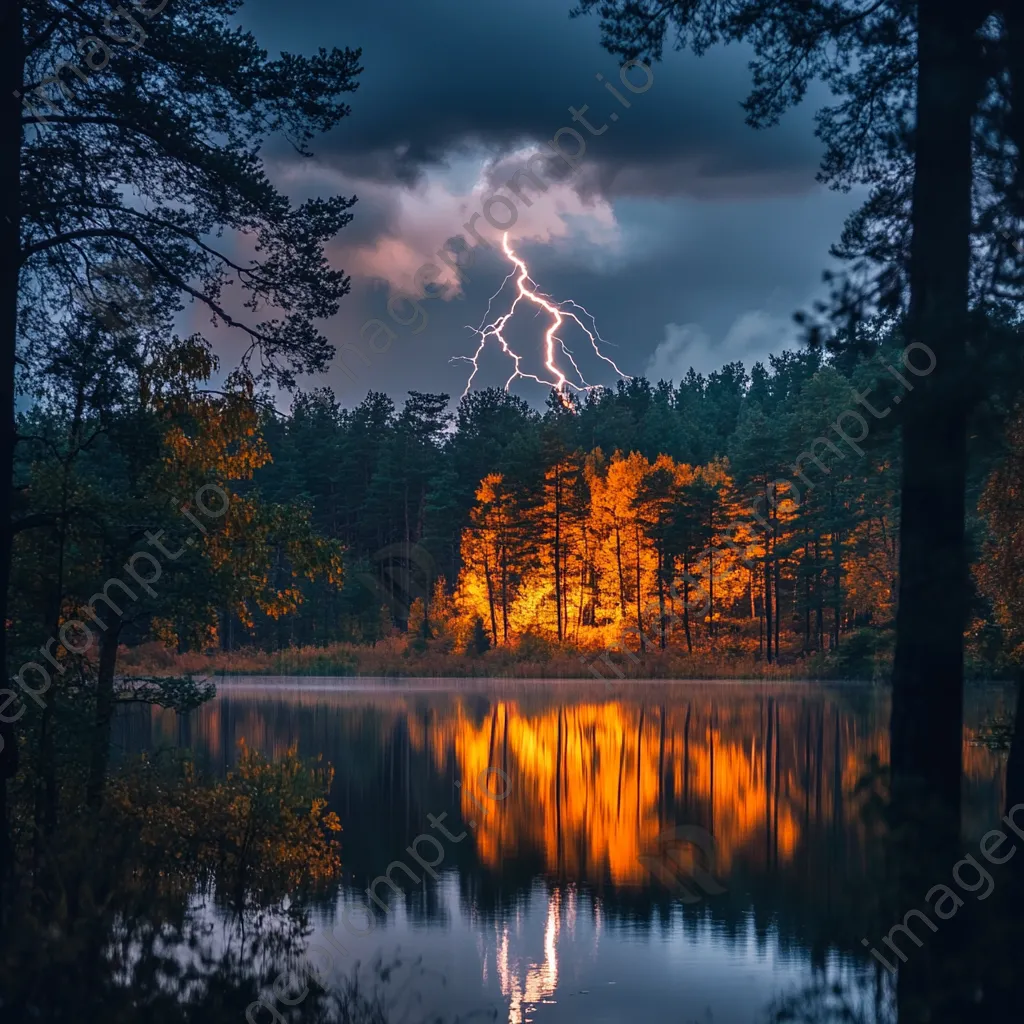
<point x="660" y="851"/>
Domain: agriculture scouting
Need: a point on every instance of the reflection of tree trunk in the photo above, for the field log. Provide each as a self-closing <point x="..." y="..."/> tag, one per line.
<point x="819" y="781"/>
<point x="775" y="794"/>
<point x="490" y="742"/>
<point x="639" y="768"/>
<point x="661" y="767"/>
<point x="711" y="763"/>
<point x="504" y="744"/>
<point x="558" y="792"/>
<point x="837" y="782"/>
<point x="769" y="749"/>
<point x="1015" y="762"/>
<point x="807" y="768"/>
<point x="622" y="765"/>
<point x="104" y="712"/>
<point x="686" y="757"/>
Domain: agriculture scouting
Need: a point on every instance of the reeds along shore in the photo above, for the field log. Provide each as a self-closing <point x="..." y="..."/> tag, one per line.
<point x="399" y="656"/>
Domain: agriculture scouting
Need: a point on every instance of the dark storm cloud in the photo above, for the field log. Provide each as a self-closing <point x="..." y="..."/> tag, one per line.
<point x="440" y="79"/>
<point x="719" y="269"/>
<point x="723" y="231"/>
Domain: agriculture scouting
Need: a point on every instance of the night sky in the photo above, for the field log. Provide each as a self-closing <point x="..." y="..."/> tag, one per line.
<point x="691" y="237"/>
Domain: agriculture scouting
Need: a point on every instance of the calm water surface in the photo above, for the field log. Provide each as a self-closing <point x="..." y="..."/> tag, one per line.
<point x="563" y="901"/>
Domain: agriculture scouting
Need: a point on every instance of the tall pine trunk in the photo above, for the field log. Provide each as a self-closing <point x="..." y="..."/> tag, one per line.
<point x="711" y="587"/>
<point x="927" y="705"/>
<point x="490" y="600"/>
<point x="661" y="597"/>
<point x="618" y="565"/>
<point x="928" y="671"/>
<point x="639" y="597"/>
<point x="11" y="61"/>
<point x="768" y="594"/>
<point x="558" y="549"/>
<point x="686" y="602"/>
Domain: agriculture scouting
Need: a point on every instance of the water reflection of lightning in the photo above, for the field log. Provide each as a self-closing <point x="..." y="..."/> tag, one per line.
<point x="553" y="344"/>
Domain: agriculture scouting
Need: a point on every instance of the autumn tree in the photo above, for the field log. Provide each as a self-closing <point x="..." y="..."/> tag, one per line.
<point x="560" y="511"/>
<point x="758" y="460"/>
<point x="497" y="552"/>
<point x="131" y="159"/>
<point x="654" y="504"/>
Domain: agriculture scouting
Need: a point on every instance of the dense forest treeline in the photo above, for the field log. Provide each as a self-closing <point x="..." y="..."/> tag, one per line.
<point x="738" y="512"/>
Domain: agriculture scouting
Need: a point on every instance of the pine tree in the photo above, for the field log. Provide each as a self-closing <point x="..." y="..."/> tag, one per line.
<point x="164" y="177"/>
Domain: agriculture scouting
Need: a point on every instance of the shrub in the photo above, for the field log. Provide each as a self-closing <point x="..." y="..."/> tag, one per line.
<point x="479" y="641"/>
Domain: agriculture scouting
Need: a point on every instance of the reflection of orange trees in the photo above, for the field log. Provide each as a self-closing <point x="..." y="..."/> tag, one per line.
<point x="591" y="784"/>
<point x="594" y="784"/>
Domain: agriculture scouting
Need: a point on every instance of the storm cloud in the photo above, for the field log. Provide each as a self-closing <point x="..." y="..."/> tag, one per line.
<point x="680" y="218"/>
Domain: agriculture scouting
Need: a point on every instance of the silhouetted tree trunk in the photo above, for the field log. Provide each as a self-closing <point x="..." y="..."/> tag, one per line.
<point x="618" y="564"/>
<point x="490" y="601"/>
<point x="768" y="595"/>
<point x="11" y="62"/>
<point x="837" y="595"/>
<point x="100" y="758"/>
<point x="639" y="617"/>
<point x="661" y="597"/>
<point x="927" y="707"/>
<point x="558" y="549"/>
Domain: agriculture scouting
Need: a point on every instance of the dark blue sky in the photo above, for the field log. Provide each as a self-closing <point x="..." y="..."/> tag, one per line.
<point x="691" y="237"/>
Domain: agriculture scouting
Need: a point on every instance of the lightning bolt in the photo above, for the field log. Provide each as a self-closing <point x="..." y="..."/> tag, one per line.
<point x="526" y="289"/>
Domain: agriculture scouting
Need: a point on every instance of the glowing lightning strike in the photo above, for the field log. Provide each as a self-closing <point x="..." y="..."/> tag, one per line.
<point x="526" y="289"/>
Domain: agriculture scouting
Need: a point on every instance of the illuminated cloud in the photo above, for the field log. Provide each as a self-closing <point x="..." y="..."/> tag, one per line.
<point x="419" y="218"/>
